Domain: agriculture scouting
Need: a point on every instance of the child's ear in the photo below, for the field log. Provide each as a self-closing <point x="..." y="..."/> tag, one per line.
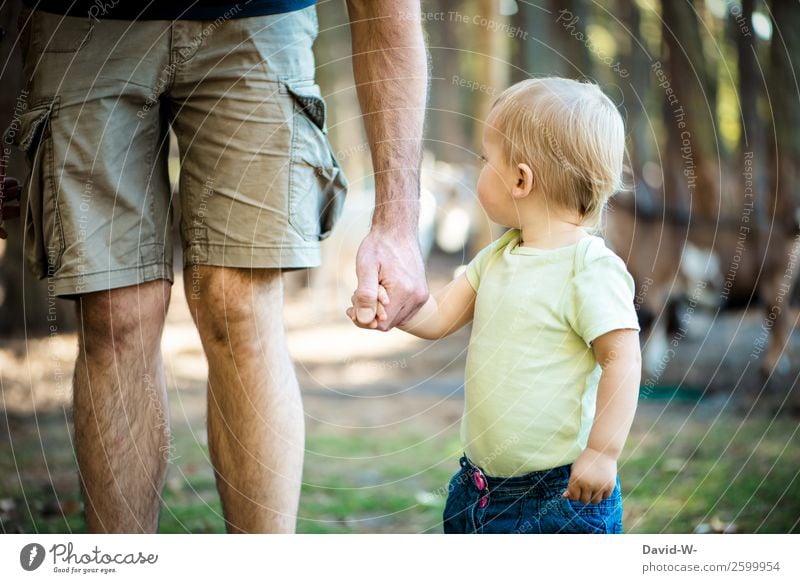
<point x="524" y="181"/>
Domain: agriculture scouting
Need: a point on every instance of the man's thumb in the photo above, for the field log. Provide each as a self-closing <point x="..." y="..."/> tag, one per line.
<point x="366" y="295"/>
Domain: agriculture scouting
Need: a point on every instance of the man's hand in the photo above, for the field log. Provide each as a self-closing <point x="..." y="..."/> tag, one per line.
<point x="380" y="316"/>
<point x="393" y="261"/>
<point x="593" y="477"/>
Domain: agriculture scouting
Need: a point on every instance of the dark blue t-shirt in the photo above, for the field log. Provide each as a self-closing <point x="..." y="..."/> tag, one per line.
<point x="167" y="9"/>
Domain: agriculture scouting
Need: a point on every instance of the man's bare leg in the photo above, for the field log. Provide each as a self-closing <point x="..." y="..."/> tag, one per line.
<point x="255" y="414"/>
<point x="120" y="408"/>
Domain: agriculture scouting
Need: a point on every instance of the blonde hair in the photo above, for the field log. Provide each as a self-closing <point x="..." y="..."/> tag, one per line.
<point x="571" y="135"/>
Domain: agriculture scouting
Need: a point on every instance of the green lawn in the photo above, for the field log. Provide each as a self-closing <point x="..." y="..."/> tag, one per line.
<point x="680" y="470"/>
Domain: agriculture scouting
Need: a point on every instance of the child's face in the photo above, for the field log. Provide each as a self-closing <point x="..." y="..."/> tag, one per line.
<point x="496" y="181"/>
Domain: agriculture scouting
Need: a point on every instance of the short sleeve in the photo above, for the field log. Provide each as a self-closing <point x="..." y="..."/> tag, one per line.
<point x="602" y="299"/>
<point x="477" y="267"/>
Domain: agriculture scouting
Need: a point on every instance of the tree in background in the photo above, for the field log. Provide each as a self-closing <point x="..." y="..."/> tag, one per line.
<point x="691" y="183"/>
<point x="783" y="115"/>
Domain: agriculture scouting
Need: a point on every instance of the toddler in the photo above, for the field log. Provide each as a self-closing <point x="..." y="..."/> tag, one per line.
<point x="553" y="366"/>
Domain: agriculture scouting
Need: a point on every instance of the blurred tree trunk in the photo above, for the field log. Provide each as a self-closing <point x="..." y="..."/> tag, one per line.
<point x="450" y="134"/>
<point x="752" y="144"/>
<point x="741" y="29"/>
<point x="24" y="302"/>
<point x="691" y="170"/>
<point x="533" y="53"/>
<point x="634" y="92"/>
<point x="493" y="70"/>
<point x="784" y="98"/>
<point x="569" y="19"/>
<point x="492" y="67"/>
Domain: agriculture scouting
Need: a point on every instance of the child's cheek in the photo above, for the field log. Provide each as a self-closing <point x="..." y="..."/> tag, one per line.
<point x="489" y="203"/>
<point x="487" y="198"/>
<point x="483" y="188"/>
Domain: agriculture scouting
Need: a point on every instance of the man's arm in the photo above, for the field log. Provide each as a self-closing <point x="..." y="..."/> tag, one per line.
<point x="594" y="472"/>
<point x="391" y="73"/>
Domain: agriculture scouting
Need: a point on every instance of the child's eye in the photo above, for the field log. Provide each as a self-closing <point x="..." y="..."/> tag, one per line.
<point x="482" y="158"/>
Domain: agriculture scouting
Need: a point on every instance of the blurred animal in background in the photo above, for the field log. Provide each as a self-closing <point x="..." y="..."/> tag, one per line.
<point x="716" y="264"/>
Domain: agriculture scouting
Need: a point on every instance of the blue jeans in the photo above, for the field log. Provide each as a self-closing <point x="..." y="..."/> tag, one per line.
<point x="529" y="504"/>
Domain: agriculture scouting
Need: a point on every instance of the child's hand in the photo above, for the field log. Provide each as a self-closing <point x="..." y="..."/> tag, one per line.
<point x="593" y="477"/>
<point x="380" y="310"/>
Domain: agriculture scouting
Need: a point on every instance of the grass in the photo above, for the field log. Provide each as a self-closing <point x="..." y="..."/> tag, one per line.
<point x="724" y="471"/>
<point x="681" y="470"/>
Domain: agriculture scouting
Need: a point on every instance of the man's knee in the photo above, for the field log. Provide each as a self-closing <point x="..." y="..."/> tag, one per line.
<point x="228" y="304"/>
<point x="118" y="320"/>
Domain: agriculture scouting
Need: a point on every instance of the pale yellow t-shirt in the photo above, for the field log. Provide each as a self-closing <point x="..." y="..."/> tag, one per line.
<point x="531" y="376"/>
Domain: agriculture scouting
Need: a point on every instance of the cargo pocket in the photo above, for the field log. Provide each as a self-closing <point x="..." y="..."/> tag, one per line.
<point x="44" y="238"/>
<point x="317" y="185"/>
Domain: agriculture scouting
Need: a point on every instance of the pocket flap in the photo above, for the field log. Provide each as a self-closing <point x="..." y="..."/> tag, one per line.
<point x="312" y="105"/>
<point x="25" y="128"/>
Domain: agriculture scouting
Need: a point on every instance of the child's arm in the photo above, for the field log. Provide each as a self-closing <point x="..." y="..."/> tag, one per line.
<point x="446" y="311"/>
<point x="594" y="473"/>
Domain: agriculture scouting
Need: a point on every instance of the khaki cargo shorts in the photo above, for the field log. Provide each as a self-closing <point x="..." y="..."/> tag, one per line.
<point x="259" y="186"/>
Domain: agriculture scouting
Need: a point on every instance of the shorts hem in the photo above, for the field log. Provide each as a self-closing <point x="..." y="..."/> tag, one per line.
<point x="73" y="285"/>
<point x="254" y="257"/>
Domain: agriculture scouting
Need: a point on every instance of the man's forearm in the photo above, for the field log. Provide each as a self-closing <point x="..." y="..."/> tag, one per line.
<point x="391" y="73"/>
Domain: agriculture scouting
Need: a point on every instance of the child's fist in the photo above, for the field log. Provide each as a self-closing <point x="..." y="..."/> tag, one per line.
<point x="380" y="309"/>
<point x="593" y="477"/>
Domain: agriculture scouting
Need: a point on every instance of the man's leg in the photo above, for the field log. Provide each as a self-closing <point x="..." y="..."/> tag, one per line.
<point x="120" y="408"/>
<point x="255" y="414"/>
